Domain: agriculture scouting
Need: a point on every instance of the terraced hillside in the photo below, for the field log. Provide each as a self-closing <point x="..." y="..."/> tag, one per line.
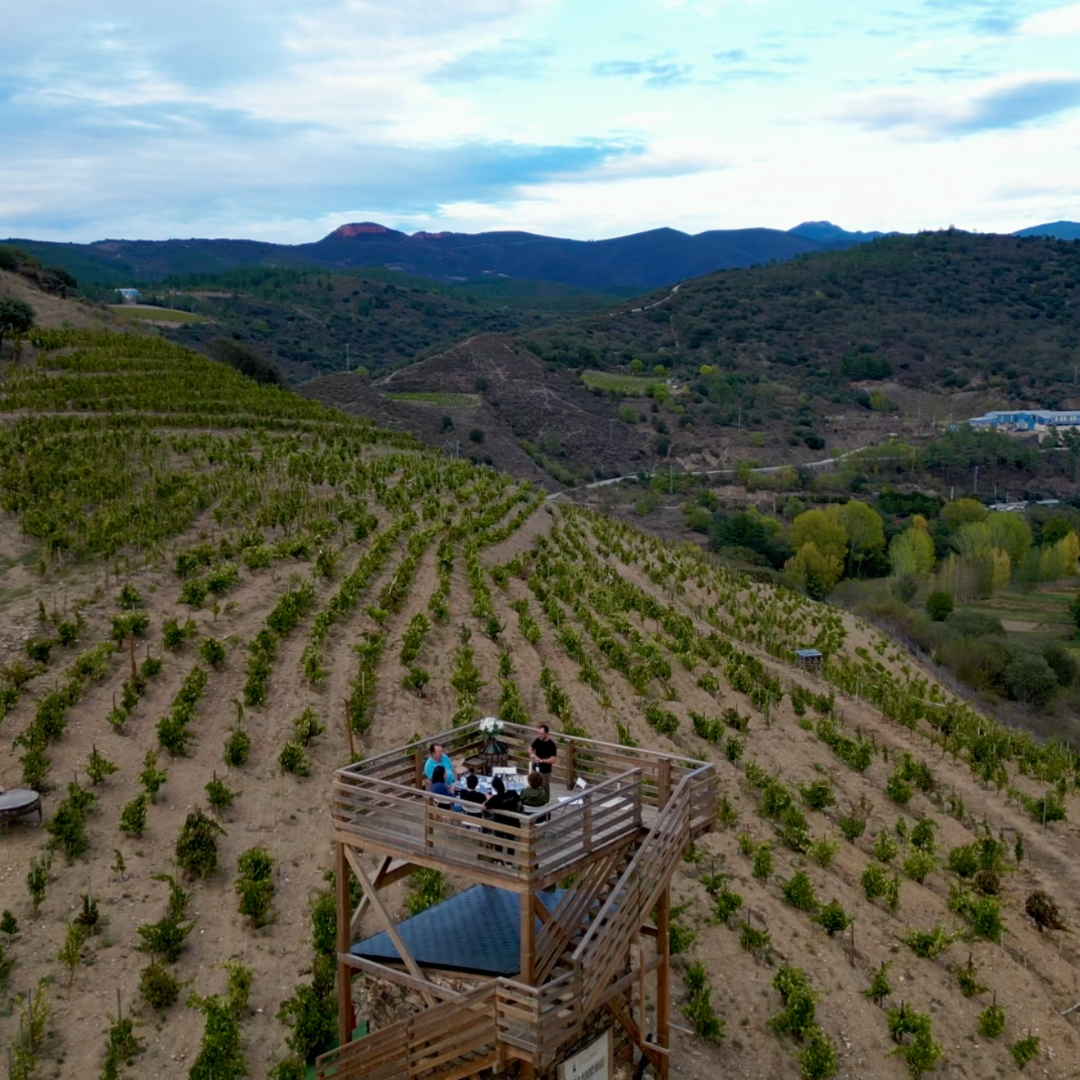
<point x="204" y="581"/>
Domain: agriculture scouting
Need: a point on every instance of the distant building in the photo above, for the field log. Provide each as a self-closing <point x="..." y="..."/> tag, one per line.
<point x="1036" y="420"/>
<point x="129" y="296"/>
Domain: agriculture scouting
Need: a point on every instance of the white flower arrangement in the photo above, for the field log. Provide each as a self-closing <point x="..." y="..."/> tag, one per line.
<point x="490" y="726"/>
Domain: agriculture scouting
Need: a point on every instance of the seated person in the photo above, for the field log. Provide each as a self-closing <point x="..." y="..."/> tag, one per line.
<point x="439" y="786"/>
<point x="501" y="799"/>
<point x="535" y="794"/>
<point x="470" y="794"/>
<point x="436" y="757"/>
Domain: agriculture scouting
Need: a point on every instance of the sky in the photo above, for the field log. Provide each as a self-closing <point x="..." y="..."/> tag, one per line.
<point x="275" y="120"/>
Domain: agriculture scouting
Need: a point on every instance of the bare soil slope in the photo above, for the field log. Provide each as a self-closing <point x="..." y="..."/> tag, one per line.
<point x="307" y="534"/>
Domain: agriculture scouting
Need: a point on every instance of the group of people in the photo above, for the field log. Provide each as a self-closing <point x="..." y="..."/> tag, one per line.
<point x="439" y="771"/>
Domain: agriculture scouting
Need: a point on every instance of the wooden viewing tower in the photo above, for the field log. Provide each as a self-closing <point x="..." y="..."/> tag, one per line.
<point x="566" y="959"/>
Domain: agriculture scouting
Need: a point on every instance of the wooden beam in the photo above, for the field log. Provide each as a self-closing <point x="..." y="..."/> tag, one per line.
<point x="388" y="922"/>
<point x="388" y="873"/>
<point x="344" y="940"/>
<point x="663" y="974"/>
<point x="383" y="971"/>
<point x="540" y="911"/>
<point x="657" y="1055"/>
<point x="528" y="940"/>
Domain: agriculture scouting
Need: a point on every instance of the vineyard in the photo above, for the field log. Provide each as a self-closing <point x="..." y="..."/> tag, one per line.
<point x="214" y="593"/>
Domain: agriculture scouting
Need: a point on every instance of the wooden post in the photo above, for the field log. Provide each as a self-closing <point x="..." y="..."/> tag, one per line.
<point x="131" y="650"/>
<point x="663" y="976"/>
<point x="527" y="974"/>
<point x="571" y="772"/>
<point x="663" y="782"/>
<point x="344" y="972"/>
<point x="418" y="767"/>
<point x="348" y="729"/>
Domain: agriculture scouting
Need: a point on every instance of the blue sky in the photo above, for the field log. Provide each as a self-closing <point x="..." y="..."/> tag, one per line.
<point x="586" y="118"/>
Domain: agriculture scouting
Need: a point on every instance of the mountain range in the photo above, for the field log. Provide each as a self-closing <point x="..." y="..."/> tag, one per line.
<point x="642" y="260"/>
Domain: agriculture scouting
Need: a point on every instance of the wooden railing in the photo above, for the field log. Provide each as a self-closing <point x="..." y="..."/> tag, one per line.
<point x="590" y="759"/>
<point x="537" y="1021"/>
<point x="501" y="1019"/>
<point x="427" y="1045"/>
<point x="603" y="947"/>
<point x="410" y="823"/>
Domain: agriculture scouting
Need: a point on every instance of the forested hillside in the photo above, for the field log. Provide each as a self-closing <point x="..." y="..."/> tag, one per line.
<point x="940" y="311"/>
<point x="199" y="572"/>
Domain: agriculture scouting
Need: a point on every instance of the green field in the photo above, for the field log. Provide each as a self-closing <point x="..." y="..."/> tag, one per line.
<point x="445" y="399"/>
<point x="147" y="313"/>
<point x="1046" y="609"/>
<point x="630" y="385"/>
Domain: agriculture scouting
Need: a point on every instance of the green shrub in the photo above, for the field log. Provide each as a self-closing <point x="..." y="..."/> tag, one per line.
<point x="698" y="1009"/>
<point x="122" y="1046"/>
<point x="213" y="652"/>
<point x="991" y="1021"/>
<point x="292" y="759"/>
<point x="939" y="606"/>
<point x="852" y="825"/>
<point x="133" y="816"/>
<point x="817" y="1058"/>
<point x="753" y="940"/>
<point x="885" y="847"/>
<point x="762" y="862"/>
<point x="922" y="835"/>
<point x="919" y="865"/>
<point x="173" y="635"/>
<point x="879" y="988"/>
<point x="929" y="943"/>
<point x="237" y="747"/>
<point x="797" y="1016"/>
<point x="823" y="851"/>
<point x="426" y="889"/>
<point x="963" y="860"/>
<point x="152" y="778"/>
<point x="833" y="918"/>
<point x="67" y="826"/>
<point x="255" y="884"/>
<point x="799" y="892"/>
<point x="1025" y="1050"/>
<point x="218" y="794"/>
<point x="196" y="846"/>
<point x="967" y="977"/>
<point x="157" y="987"/>
<point x="98" y="767"/>
<point x="817" y="795"/>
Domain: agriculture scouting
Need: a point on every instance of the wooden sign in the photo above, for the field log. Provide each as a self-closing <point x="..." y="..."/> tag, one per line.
<point x="592" y="1063"/>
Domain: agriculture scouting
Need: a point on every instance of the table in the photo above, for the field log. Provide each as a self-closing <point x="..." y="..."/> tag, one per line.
<point x="18" y="802"/>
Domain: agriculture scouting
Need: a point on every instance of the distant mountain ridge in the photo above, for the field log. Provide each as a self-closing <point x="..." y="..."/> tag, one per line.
<point x="1061" y="230"/>
<point x="641" y="261"/>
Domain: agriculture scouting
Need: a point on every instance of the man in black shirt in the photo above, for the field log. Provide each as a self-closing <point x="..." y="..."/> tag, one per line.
<point x="470" y="794"/>
<point x="544" y="753"/>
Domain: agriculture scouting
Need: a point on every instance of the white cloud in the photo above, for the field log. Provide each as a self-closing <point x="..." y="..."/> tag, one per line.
<point x="1056" y="22"/>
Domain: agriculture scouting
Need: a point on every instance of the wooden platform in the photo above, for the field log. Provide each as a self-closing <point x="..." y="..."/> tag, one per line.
<point x="617" y="842"/>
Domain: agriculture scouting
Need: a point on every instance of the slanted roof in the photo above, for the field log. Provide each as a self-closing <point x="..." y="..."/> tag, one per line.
<point x="808" y="654"/>
<point x="477" y="931"/>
